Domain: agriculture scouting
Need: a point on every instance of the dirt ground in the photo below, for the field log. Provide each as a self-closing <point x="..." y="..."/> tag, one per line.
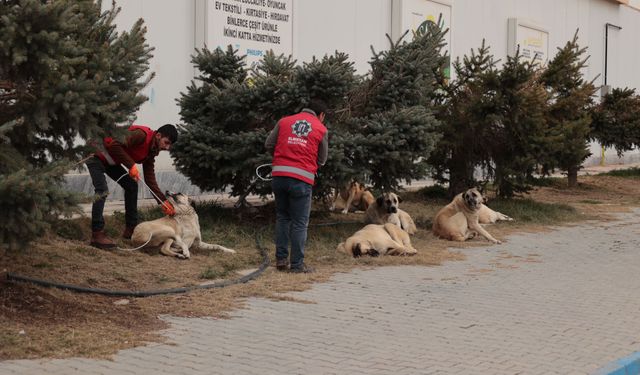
<point x="38" y="322"/>
<point x="597" y="195"/>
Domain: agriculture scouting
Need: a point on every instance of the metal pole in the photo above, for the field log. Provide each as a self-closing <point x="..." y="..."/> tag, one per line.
<point x="606" y="47"/>
<point x="606" y="61"/>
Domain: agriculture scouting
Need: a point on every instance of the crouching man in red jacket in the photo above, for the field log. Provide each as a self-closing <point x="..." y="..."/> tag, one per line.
<point x="141" y="146"/>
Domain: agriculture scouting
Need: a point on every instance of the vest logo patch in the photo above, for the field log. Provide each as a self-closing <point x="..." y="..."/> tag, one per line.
<point x="301" y="128"/>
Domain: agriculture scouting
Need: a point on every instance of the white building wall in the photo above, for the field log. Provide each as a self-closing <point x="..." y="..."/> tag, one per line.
<point x="351" y="26"/>
<point x="323" y="26"/>
<point x="474" y="20"/>
<point x="171" y="31"/>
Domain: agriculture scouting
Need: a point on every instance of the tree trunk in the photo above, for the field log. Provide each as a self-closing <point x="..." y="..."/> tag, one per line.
<point x="572" y="175"/>
<point x="242" y="199"/>
<point x="457" y="184"/>
<point x="460" y="176"/>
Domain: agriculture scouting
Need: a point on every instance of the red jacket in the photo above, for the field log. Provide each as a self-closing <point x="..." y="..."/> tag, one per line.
<point x="296" y="151"/>
<point x="138" y="152"/>
<point x="130" y="153"/>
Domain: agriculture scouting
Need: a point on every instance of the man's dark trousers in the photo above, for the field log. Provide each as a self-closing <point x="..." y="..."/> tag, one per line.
<point x="293" y="205"/>
<point x="97" y="170"/>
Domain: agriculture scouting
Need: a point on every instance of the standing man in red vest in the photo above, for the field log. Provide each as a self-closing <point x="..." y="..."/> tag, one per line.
<point x="141" y="146"/>
<point x="300" y="145"/>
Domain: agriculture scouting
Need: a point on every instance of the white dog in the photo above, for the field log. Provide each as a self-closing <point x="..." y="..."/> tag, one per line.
<point x="375" y="239"/>
<point x="175" y="235"/>
<point x="489" y="216"/>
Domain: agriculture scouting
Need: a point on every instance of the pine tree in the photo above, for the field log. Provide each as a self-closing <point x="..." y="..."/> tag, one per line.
<point x="392" y="121"/>
<point x="616" y="120"/>
<point x="380" y="126"/>
<point x="467" y="113"/>
<point x="65" y="73"/>
<point x="570" y="102"/>
<point x="519" y="138"/>
<point x="230" y="112"/>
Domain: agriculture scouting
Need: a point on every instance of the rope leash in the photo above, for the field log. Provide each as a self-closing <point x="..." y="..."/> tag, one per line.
<point x="120" y="178"/>
<point x="139" y="247"/>
<point x="141" y="180"/>
<point x="268" y="177"/>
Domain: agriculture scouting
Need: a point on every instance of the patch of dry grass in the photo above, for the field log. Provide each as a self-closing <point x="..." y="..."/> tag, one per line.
<point x="37" y="322"/>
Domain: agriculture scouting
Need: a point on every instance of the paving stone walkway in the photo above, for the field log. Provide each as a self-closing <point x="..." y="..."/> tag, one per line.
<point x="561" y="302"/>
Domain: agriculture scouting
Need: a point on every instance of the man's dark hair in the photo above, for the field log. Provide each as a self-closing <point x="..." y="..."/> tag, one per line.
<point x="169" y="131"/>
<point x="318" y="106"/>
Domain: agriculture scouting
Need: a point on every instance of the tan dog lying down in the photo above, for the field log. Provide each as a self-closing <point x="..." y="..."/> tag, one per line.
<point x="489" y="216"/>
<point x="175" y="235"/>
<point x="352" y="197"/>
<point x="459" y="220"/>
<point x="375" y="239"/>
<point x="386" y="210"/>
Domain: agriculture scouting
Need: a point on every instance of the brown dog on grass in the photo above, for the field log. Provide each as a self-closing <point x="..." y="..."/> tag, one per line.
<point x="460" y="219"/>
<point x="352" y="197"/>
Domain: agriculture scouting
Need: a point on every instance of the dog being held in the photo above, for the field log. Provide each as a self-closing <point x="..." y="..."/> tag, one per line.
<point x="385" y="210"/>
<point x="352" y="197"/>
<point x="375" y="239"/>
<point x="175" y="235"/>
<point x="460" y="219"/>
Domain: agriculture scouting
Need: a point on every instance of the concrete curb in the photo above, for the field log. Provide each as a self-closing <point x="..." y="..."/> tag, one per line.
<point x="629" y="365"/>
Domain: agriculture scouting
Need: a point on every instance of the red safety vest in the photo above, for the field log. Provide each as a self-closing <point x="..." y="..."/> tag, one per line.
<point x="296" y="151"/>
<point x="138" y="153"/>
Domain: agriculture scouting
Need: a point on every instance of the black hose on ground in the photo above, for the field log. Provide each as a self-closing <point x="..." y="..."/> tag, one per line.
<point x="149" y="293"/>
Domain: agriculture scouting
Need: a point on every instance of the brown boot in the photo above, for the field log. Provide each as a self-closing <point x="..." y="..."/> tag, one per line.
<point x="128" y="232"/>
<point x="100" y="240"/>
<point x="282" y="264"/>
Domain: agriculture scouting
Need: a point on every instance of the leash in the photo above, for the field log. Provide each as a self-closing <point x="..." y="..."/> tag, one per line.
<point x="125" y="174"/>
<point x="141" y="180"/>
<point x="139" y="247"/>
<point x="120" y="178"/>
<point x="242" y="199"/>
<point x="268" y="178"/>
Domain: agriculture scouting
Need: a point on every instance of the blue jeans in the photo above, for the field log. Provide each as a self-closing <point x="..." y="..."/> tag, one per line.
<point x="97" y="170"/>
<point x="293" y="205"/>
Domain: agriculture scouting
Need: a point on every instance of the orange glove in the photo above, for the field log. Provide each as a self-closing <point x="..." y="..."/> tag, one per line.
<point x="168" y="209"/>
<point x="133" y="173"/>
